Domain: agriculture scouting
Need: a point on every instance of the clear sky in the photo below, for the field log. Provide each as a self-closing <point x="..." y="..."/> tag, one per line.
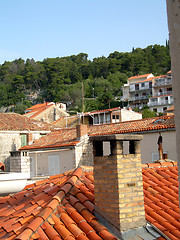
<point x="56" y="28"/>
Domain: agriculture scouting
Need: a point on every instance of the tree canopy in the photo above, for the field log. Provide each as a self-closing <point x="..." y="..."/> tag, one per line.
<point x="59" y="79"/>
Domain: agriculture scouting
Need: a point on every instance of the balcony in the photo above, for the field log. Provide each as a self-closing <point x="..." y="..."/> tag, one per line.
<point x="163" y="93"/>
<point x="138" y="98"/>
<point x="165" y="82"/>
<point x="164" y="102"/>
<point x="139" y="89"/>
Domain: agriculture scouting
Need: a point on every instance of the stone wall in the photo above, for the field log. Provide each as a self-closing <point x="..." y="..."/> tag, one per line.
<point x="10" y="141"/>
<point x="20" y="162"/>
<point x="84" y="152"/>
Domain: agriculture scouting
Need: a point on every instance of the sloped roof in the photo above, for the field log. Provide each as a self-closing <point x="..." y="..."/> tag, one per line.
<point x="102" y="111"/>
<point x="160" y="183"/>
<point x="62" y="206"/>
<point x="170" y="109"/>
<point x="37" y="109"/>
<point x="146" y="124"/>
<point x="69" y="121"/>
<point x="39" y="105"/>
<point x="57" y="138"/>
<point x="67" y="136"/>
<point x="17" y="122"/>
<point x="139" y="76"/>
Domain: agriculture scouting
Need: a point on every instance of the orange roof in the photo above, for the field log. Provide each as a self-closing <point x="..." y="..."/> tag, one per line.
<point x="140" y="76"/>
<point x="146" y="124"/>
<point x="102" y="111"/>
<point x="57" y="138"/>
<point x="17" y="122"/>
<point x="67" y="136"/>
<point x="170" y="109"/>
<point x="160" y="183"/>
<point x="37" y="109"/>
<point x="62" y="206"/>
<point x="148" y="79"/>
<point x="39" y="105"/>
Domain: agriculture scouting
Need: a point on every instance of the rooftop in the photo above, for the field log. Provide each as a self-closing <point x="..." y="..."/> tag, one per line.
<point x="67" y="136"/>
<point x="62" y="206"/>
<point x="139" y="76"/>
<point x="17" y="122"/>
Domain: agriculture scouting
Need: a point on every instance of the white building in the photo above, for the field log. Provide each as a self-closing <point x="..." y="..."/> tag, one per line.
<point x="162" y="97"/>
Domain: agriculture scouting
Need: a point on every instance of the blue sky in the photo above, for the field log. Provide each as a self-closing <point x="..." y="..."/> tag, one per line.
<point x="56" y="28"/>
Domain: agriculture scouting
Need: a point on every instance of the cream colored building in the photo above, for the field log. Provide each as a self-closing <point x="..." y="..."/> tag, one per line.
<point x="47" y="112"/>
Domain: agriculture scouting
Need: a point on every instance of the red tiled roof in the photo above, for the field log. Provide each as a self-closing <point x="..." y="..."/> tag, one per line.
<point x="57" y="138"/>
<point x="62" y="206"/>
<point x="139" y="76"/>
<point x="160" y="182"/>
<point x="67" y="136"/>
<point x="149" y="79"/>
<point x="39" y="105"/>
<point x="17" y="122"/>
<point x="170" y="109"/>
<point x="37" y="109"/>
<point x="146" y="124"/>
<point x="102" y="111"/>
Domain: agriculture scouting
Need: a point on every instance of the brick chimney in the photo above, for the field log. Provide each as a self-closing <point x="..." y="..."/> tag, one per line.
<point x="81" y="130"/>
<point x="118" y="182"/>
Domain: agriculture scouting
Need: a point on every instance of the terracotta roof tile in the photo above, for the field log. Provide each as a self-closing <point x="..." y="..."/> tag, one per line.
<point x="66" y="210"/>
<point x="67" y="137"/>
<point x="17" y="122"/>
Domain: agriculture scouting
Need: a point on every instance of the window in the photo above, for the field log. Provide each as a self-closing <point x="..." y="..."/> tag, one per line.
<point x="108" y="118"/>
<point x="150" y="84"/>
<point x="113" y="117"/>
<point x="136" y="86"/>
<point x="142" y="85"/>
<point x="154" y="109"/>
<point x="23" y="140"/>
<point x="96" y="119"/>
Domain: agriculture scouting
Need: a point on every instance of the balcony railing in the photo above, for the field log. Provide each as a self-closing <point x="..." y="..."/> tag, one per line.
<point x="162" y="83"/>
<point x="165" y="102"/>
<point x="163" y="93"/>
<point x="140" y="89"/>
<point x="139" y="98"/>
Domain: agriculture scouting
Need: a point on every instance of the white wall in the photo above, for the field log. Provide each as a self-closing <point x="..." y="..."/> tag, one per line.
<point x="149" y="145"/>
<point x="128" y="115"/>
<point x="66" y="161"/>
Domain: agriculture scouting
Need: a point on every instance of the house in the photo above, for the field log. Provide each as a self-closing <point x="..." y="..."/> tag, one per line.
<point x="58" y="151"/>
<point x="111" y="115"/>
<point x="140" y="202"/>
<point x="162" y="95"/>
<point x="156" y="92"/>
<point x="64" y="149"/>
<point x="137" y="90"/>
<point x="46" y="112"/>
<point x="17" y="131"/>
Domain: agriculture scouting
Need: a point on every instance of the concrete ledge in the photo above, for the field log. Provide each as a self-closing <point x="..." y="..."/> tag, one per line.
<point x="123" y="137"/>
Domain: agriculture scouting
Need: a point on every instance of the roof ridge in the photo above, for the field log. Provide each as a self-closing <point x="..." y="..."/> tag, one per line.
<point x="159" y="164"/>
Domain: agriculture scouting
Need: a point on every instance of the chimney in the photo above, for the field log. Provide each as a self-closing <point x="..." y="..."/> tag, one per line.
<point x="81" y="130"/>
<point x="160" y="148"/>
<point x="118" y="182"/>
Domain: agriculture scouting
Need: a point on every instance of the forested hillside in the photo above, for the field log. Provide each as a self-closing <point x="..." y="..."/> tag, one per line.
<point x="23" y="82"/>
